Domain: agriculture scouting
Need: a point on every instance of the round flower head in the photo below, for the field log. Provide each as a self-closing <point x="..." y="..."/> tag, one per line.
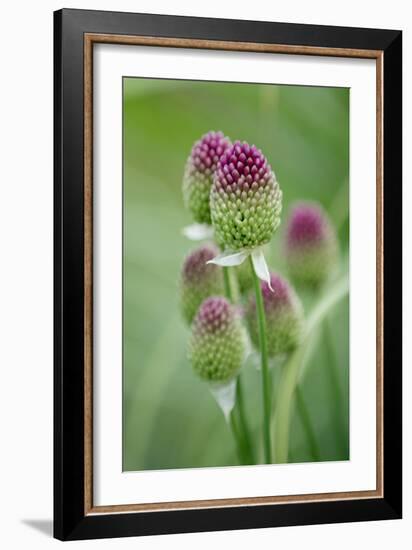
<point x="284" y="316"/>
<point x="198" y="176"/>
<point x="246" y="200"/>
<point x="217" y="345"/>
<point x="199" y="280"/>
<point x="310" y="244"/>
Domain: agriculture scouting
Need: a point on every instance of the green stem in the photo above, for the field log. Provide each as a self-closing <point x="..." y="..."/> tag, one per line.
<point x="239" y="441"/>
<point x="335" y="388"/>
<point x="307" y="424"/>
<point x="243" y="421"/>
<point x="264" y="365"/>
<point x="228" y="286"/>
<point x="239" y="392"/>
<point x="294" y="369"/>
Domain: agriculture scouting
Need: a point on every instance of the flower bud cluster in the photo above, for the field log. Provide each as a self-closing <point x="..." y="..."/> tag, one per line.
<point x="245" y="200"/>
<point x="199" y="171"/>
<point x="284" y="317"/>
<point x="310" y="245"/>
<point x="199" y="280"/>
<point x="217" y="345"/>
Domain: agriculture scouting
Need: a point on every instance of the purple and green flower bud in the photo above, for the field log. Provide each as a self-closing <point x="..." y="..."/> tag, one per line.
<point x="199" y="280"/>
<point x="284" y="317"/>
<point x="310" y="245"/>
<point x="218" y="344"/>
<point x="246" y="200"/>
<point x="198" y="176"/>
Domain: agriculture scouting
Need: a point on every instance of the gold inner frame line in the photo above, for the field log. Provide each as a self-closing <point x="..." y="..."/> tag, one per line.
<point x="89" y="40"/>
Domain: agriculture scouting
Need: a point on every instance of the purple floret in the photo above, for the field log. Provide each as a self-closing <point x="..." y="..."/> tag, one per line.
<point x="195" y="265"/>
<point x="207" y="151"/>
<point x="281" y="293"/>
<point x="242" y="167"/>
<point x="310" y="245"/>
<point x="214" y="314"/>
<point x="306" y="226"/>
<point x="284" y="316"/>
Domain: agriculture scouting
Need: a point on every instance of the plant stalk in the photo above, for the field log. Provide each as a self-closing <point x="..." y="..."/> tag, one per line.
<point x="243" y="422"/>
<point x="244" y="429"/>
<point x="335" y="388"/>
<point x="294" y="369"/>
<point x="307" y="424"/>
<point x="237" y="438"/>
<point x="227" y="285"/>
<point x="264" y="365"/>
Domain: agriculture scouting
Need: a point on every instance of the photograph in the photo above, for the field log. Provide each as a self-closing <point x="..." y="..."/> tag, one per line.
<point x="235" y="274"/>
<point x="227" y="274"/>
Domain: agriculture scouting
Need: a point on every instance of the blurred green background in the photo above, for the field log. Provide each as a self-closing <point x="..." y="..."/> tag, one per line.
<point x="170" y="419"/>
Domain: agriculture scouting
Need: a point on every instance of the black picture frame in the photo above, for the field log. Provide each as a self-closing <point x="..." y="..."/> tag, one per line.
<point x="70" y="520"/>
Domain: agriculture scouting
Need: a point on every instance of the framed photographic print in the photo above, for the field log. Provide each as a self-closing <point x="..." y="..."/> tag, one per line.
<point x="227" y="274"/>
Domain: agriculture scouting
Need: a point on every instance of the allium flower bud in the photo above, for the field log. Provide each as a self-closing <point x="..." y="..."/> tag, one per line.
<point x="310" y="244"/>
<point x="218" y="344"/>
<point x="284" y="316"/>
<point x="199" y="280"/>
<point x="198" y="176"/>
<point x="245" y="200"/>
